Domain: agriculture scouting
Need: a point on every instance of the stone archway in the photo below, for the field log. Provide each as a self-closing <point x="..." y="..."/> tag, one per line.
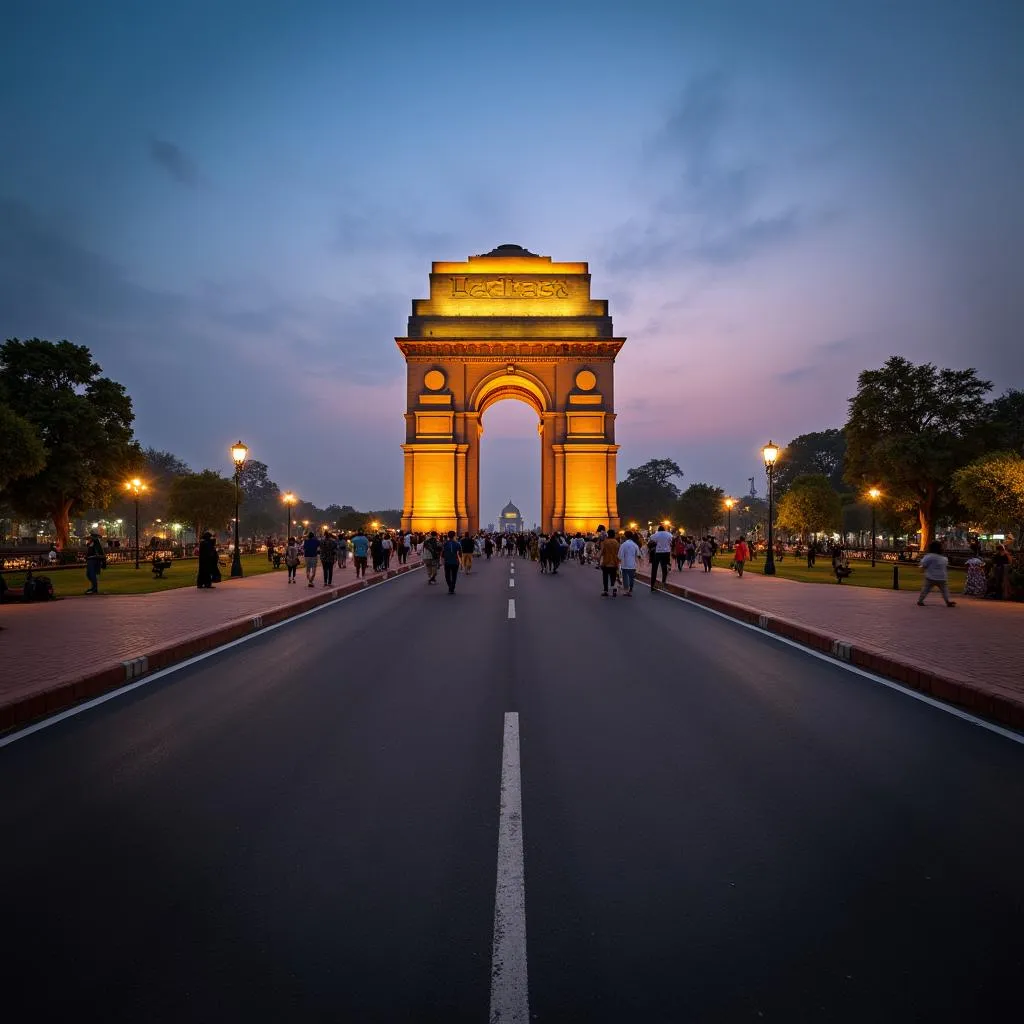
<point x="509" y="324"/>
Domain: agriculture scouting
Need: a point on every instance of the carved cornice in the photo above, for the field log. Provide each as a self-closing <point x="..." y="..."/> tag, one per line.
<point x="534" y="350"/>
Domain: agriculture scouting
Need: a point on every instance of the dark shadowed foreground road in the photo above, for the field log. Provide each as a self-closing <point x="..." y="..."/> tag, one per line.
<point x="716" y="827"/>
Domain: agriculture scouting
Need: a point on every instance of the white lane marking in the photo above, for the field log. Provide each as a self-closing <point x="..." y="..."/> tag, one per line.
<point x="916" y="694"/>
<point x="509" y="985"/>
<point x="511" y="607"/>
<point x="511" y="582"/>
<point x="103" y="698"/>
<point x="512" y="569"/>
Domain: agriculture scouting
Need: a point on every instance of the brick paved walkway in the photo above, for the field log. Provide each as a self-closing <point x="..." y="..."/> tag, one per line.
<point x="979" y="641"/>
<point x="44" y="645"/>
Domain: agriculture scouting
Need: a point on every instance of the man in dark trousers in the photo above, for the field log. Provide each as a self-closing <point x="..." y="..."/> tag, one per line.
<point x="451" y="555"/>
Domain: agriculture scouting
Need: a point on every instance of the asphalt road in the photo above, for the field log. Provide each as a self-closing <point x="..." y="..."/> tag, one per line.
<point x="717" y="827"/>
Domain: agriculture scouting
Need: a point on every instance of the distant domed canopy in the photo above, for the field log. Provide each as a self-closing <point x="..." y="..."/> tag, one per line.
<point x="508" y="249"/>
<point x="510" y="509"/>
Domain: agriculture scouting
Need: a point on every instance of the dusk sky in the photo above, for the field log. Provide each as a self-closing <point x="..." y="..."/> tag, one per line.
<point x="233" y="205"/>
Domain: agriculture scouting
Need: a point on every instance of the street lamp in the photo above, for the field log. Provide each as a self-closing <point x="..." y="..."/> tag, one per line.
<point x="238" y="453"/>
<point x="874" y="494"/>
<point x="729" y="502"/>
<point x="135" y="487"/>
<point x="771" y="454"/>
<point x="289" y="499"/>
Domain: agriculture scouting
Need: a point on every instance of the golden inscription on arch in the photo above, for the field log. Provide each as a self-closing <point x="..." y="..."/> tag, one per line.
<point x="473" y="287"/>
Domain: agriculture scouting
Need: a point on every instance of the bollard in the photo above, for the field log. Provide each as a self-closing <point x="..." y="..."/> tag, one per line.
<point x="895" y="577"/>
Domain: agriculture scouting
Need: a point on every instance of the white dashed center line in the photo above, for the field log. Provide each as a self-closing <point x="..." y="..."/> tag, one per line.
<point x="509" y="989"/>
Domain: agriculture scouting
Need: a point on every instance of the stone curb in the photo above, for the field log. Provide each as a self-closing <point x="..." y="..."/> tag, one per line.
<point x="25" y="710"/>
<point x="963" y="694"/>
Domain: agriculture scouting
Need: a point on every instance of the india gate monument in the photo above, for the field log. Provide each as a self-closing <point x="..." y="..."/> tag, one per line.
<point x="509" y="324"/>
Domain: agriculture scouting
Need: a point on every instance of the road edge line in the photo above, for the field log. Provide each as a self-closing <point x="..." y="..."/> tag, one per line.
<point x="848" y="656"/>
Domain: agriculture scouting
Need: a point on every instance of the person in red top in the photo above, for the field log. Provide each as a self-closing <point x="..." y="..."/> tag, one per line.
<point x="740" y="554"/>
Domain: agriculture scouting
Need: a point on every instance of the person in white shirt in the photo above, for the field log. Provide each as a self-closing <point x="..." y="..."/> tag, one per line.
<point x="629" y="555"/>
<point x="662" y="555"/>
<point x="935" y="566"/>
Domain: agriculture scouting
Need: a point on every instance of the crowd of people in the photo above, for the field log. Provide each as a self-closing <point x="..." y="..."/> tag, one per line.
<point x="618" y="554"/>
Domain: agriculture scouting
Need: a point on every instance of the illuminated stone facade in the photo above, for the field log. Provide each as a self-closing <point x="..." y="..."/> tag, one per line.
<point x="509" y="324"/>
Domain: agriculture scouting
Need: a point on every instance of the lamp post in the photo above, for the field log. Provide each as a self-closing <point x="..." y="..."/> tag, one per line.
<point x="135" y="487"/>
<point x="289" y="499"/>
<point x="771" y="454"/>
<point x="238" y="453"/>
<point x="729" y="502"/>
<point x="874" y="494"/>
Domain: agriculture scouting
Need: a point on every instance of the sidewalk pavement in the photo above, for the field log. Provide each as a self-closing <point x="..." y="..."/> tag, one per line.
<point x="56" y="654"/>
<point x="971" y="655"/>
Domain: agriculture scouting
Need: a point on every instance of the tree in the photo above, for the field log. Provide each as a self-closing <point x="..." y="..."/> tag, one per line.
<point x="992" y="490"/>
<point x="21" y="449"/>
<point x="1005" y="426"/>
<point x="811" y="505"/>
<point x="256" y="485"/>
<point x="700" y="507"/>
<point x="648" y="494"/>
<point x="910" y="427"/>
<point x="202" y="500"/>
<point x="158" y="469"/>
<point x="83" y="419"/>
<point x="819" y="453"/>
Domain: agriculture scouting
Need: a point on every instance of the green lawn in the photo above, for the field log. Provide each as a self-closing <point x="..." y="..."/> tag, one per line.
<point x="125" y="579"/>
<point x="863" y="575"/>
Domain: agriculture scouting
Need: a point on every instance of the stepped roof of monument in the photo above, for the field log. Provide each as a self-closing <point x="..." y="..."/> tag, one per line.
<point x="508" y="249"/>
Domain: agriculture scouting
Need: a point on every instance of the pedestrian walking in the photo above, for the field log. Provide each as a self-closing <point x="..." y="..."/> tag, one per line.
<point x="679" y="551"/>
<point x="360" y="550"/>
<point x="609" y="563"/>
<point x="328" y="553"/>
<point x="342" y="551"/>
<point x="467" y="548"/>
<point x="95" y="562"/>
<point x="660" y="546"/>
<point x="451" y="555"/>
<point x="629" y="557"/>
<point x="208" y="571"/>
<point x="935" y="567"/>
<point x="707" y="553"/>
<point x="431" y="556"/>
<point x="292" y="555"/>
<point x="311" y="551"/>
<point x="740" y="555"/>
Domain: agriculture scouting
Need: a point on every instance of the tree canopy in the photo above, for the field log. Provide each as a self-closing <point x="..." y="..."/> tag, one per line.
<point x="1005" y="423"/>
<point x="21" y="448"/>
<point x="992" y="490"/>
<point x="205" y="500"/>
<point x="821" y="453"/>
<point x="811" y="505"/>
<point x="648" y="493"/>
<point x="700" y="507"/>
<point x="84" y="421"/>
<point x="909" y="428"/>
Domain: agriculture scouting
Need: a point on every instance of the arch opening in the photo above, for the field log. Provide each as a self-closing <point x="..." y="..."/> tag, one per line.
<point x="510" y="454"/>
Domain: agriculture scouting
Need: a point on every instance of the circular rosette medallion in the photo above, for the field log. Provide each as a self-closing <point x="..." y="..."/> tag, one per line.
<point x="586" y="380"/>
<point x="434" y="380"/>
